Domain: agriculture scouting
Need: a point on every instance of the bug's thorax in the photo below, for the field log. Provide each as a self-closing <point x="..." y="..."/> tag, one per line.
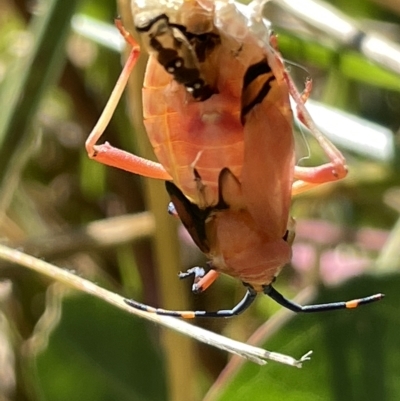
<point x="205" y="46"/>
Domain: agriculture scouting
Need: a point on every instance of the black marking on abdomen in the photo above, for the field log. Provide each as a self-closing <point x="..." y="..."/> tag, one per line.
<point x="254" y="71"/>
<point x="203" y="43"/>
<point x="256" y="86"/>
<point x="189" y="77"/>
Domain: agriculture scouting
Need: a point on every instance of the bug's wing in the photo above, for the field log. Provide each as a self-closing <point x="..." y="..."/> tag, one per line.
<point x="229" y="191"/>
<point x="267" y="173"/>
<point x="192" y="217"/>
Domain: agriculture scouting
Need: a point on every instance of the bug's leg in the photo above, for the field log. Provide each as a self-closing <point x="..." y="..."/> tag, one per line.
<point x="108" y="154"/>
<point x="307" y="91"/>
<point x="310" y="177"/>
<point x="273" y="41"/>
<point x="172" y="210"/>
<point x="247" y="300"/>
<point x="286" y="303"/>
<point x="202" y="280"/>
<point x="198" y="273"/>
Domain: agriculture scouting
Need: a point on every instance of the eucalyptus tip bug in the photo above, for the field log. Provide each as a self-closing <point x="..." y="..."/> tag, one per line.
<point x="216" y="101"/>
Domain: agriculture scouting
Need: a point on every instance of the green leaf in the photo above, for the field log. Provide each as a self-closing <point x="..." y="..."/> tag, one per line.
<point x="356" y="352"/>
<point x="97" y="352"/>
<point x="351" y="64"/>
<point x="28" y="81"/>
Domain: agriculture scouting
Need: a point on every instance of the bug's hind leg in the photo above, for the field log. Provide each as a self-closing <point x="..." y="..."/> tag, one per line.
<point x="202" y="280"/>
<point x="247" y="300"/>
<point x="286" y="303"/>
<point x="335" y="169"/>
<point x="108" y="154"/>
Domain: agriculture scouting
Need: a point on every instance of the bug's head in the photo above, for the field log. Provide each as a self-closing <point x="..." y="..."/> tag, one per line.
<point x="181" y="36"/>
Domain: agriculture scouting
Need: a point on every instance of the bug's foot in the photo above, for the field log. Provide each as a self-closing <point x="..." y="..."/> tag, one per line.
<point x="172" y="210"/>
<point x="197" y="272"/>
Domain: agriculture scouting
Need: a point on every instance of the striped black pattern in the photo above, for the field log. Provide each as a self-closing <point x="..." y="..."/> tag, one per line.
<point x="176" y="53"/>
<point x="256" y="86"/>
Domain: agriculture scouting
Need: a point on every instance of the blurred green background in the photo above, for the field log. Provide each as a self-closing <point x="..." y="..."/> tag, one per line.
<point x="56" y="344"/>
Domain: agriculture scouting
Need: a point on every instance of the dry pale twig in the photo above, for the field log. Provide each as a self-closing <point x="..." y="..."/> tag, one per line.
<point x="254" y="354"/>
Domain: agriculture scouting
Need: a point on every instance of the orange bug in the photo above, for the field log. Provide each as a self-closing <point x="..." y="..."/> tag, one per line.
<point x="217" y="112"/>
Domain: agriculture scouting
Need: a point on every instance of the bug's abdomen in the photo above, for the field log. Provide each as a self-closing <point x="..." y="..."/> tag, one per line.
<point x="185" y="134"/>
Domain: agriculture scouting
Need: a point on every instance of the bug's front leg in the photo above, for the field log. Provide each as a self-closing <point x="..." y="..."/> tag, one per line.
<point x="108" y="154"/>
<point x="202" y="280"/>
